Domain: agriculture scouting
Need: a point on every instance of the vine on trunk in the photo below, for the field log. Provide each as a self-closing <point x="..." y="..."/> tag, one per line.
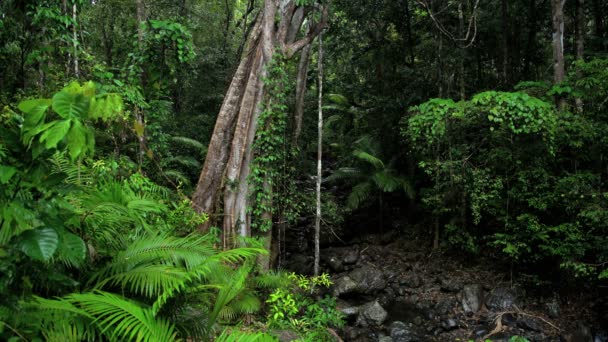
<point x="269" y="145"/>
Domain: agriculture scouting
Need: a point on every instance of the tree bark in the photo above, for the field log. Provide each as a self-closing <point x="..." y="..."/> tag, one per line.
<point x="319" y="160"/>
<point x="140" y="120"/>
<point x="301" y="84"/>
<point x="505" y="42"/>
<point x="557" y="12"/>
<point x="227" y="164"/>
<point x="531" y="43"/>
<point x="599" y="22"/>
<point x="463" y="53"/>
<point x="580" y="43"/>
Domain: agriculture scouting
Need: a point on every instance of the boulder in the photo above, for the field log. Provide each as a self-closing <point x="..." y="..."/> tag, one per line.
<point x="286" y="335"/>
<point x="369" y="279"/>
<point x="414" y="281"/>
<point x="351" y="257"/>
<point x="335" y="264"/>
<point x="502" y="298"/>
<point x="530" y="324"/>
<point x="372" y="314"/>
<point x="472" y="298"/>
<point x="344" y="285"/>
<point x="401" y="332"/>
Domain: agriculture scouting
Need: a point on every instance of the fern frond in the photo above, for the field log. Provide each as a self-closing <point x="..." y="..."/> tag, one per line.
<point x="240" y="336"/>
<point x="122" y="319"/>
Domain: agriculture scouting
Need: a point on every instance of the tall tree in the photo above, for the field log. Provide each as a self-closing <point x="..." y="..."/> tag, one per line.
<point x="580" y="42"/>
<point x="557" y="13"/>
<point x="227" y="163"/>
<point x="319" y="159"/>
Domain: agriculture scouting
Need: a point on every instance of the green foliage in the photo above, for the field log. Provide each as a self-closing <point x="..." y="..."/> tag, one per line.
<point x="496" y="162"/>
<point x="371" y="176"/>
<point x="269" y="145"/>
<point x="293" y="307"/>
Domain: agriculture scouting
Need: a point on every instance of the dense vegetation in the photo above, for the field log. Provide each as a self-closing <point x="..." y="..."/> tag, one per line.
<point x="156" y="155"/>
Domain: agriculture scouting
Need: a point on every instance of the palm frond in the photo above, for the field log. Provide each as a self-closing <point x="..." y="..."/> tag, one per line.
<point x="187" y="162"/>
<point x="189" y="142"/>
<point x="346" y="173"/>
<point x="386" y="182"/>
<point x="359" y="194"/>
<point x="376" y="162"/>
<point x="177" y="176"/>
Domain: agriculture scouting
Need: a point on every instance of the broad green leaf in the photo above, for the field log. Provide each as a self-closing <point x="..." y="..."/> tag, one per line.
<point x="69" y="105"/>
<point x="55" y="133"/>
<point x="6" y="173"/>
<point x="72" y="249"/>
<point x="34" y="110"/>
<point x="39" y="244"/>
<point x="77" y="140"/>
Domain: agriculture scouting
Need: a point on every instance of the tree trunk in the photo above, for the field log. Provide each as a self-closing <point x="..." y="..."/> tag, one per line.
<point x="505" y="42"/>
<point x="531" y="43"/>
<point x="580" y="43"/>
<point x="599" y="21"/>
<point x="140" y="120"/>
<point x="75" y="42"/>
<point x="227" y="165"/>
<point x="463" y="53"/>
<point x="557" y="11"/>
<point x="301" y="84"/>
<point x="319" y="160"/>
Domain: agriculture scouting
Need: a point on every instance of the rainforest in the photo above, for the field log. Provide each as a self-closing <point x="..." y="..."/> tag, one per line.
<point x="304" y="170"/>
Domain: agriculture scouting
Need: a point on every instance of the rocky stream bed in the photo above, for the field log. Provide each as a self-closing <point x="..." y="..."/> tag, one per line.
<point x="395" y="289"/>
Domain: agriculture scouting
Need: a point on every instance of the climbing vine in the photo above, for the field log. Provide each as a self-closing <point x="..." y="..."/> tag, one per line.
<point x="269" y="145"/>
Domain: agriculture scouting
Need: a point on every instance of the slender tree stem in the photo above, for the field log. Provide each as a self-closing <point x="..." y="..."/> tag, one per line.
<point x="319" y="158"/>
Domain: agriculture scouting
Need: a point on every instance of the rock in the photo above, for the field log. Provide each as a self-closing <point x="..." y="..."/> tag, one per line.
<point x="472" y="298"/>
<point x="344" y="285"/>
<point x="529" y="323"/>
<point x="350" y="311"/>
<point x="446" y="306"/>
<point x="351" y="257"/>
<point x="400" y="332"/>
<point x="417" y="320"/>
<point x="351" y="333"/>
<point x="385" y="339"/>
<point x="449" y="286"/>
<point x="369" y="279"/>
<point x="371" y="313"/>
<point x="601" y="337"/>
<point x="502" y="298"/>
<point x="286" y="335"/>
<point x="335" y="265"/>
<point x="413" y="282"/>
<point x="581" y="334"/>
<point x="449" y="324"/>
<point x="508" y="319"/>
<point x="553" y="309"/>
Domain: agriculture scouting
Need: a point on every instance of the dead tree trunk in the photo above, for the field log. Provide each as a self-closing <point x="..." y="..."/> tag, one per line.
<point x="227" y="164"/>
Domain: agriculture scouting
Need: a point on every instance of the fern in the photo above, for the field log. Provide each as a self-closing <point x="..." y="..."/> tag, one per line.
<point x="240" y="336"/>
<point x="122" y="319"/>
